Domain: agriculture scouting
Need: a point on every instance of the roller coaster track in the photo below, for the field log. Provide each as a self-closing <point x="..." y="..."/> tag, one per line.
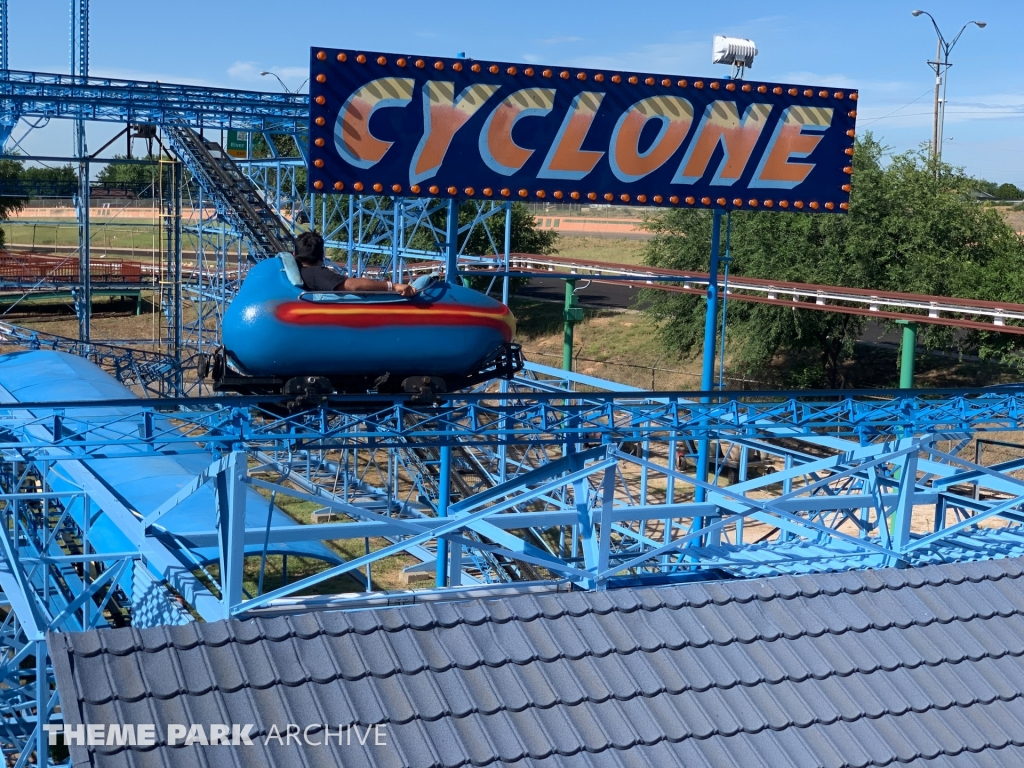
<point x="890" y="305"/>
<point x="237" y="199"/>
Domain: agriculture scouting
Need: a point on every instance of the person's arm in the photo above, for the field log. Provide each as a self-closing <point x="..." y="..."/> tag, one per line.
<point x="361" y="285"/>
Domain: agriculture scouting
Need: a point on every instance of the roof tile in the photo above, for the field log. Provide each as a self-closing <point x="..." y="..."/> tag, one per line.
<point x="844" y="669"/>
<point x="479" y="684"/>
<point x="84" y="643"/>
<point x="1008" y="670"/>
<point x="198" y="677"/>
<point x="93" y="681"/>
<point x="161" y="673"/>
<point x="333" y="701"/>
<point x="401" y="695"/>
<point x="535" y="681"/>
<point x="622" y="730"/>
<point x="408" y="696"/>
<point x="553" y="607"/>
<point x="511" y="693"/>
<point x="336" y="623"/>
<point x="184" y="636"/>
<point x="530" y="727"/>
<point x="643" y="679"/>
<point x="314" y="655"/>
<point x="368" y="622"/>
<point x="416" y="744"/>
<point x="590" y="729"/>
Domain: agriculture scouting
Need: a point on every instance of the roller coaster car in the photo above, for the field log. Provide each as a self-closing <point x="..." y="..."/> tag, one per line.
<point x="282" y="339"/>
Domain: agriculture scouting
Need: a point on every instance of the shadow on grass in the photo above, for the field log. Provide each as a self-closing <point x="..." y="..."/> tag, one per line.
<point x="536" y="319"/>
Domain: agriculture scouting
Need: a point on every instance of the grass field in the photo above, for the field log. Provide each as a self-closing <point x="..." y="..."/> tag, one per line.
<point x="135" y="234"/>
<point x="612" y="250"/>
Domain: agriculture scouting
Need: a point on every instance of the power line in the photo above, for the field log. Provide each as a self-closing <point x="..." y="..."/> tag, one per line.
<point x="903" y="107"/>
<point x="973" y="112"/>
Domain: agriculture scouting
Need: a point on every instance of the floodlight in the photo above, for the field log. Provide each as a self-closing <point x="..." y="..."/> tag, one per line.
<point x="736" y="51"/>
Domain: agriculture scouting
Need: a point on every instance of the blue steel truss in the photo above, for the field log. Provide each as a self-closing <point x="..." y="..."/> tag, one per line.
<point x="553" y="486"/>
<point x="80" y="97"/>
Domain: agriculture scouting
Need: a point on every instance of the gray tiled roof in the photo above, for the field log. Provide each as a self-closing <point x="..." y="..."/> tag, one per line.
<point x="866" y="668"/>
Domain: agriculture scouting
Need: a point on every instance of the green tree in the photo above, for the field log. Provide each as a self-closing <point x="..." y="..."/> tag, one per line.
<point x="524" y="236"/>
<point x="10" y="170"/>
<point x="284" y="145"/>
<point x="114" y="173"/>
<point x="489" y="239"/>
<point x="987" y="186"/>
<point x="486" y="238"/>
<point x="65" y="174"/>
<point x="1009" y="192"/>
<point x="911" y="227"/>
<point x="63" y="178"/>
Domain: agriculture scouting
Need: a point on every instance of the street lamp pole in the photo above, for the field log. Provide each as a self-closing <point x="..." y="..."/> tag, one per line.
<point x="286" y="88"/>
<point x="941" y="65"/>
<point x="936" y="144"/>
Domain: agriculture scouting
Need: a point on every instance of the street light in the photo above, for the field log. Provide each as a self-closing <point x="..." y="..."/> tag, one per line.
<point x="940" y="65"/>
<point x="286" y="88"/>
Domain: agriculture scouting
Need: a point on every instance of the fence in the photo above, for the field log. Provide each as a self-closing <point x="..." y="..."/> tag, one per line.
<point x="29" y="270"/>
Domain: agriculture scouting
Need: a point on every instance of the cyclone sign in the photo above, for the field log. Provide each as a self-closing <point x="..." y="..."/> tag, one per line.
<point x="393" y="124"/>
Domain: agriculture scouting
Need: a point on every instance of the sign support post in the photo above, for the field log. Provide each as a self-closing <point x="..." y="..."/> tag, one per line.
<point x="907" y="354"/>
<point x="573" y="314"/>
<point x="707" y="377"/>
<point x="451" y="245"/>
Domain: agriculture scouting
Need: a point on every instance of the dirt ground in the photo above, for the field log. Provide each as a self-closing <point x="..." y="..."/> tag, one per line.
<point x="1014" y="218"/>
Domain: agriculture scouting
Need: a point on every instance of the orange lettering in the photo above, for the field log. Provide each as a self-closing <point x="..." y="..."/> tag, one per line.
<point x="443" y="116"/>
<point x="566" y="159"/>
<point x="723" y="125"/>
<point x="352" y="137"/>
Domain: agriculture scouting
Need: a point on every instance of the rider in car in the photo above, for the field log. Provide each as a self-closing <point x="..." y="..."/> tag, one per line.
<point x="309" y="255"/>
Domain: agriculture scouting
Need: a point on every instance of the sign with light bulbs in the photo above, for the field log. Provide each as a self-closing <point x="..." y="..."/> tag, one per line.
<point x="404" y="125"/>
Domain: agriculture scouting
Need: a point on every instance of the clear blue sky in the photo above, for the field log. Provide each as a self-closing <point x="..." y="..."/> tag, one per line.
<point x="873" y="45"/>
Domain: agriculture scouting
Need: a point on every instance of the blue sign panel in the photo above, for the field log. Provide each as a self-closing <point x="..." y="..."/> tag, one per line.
<point x="393" y="124"/>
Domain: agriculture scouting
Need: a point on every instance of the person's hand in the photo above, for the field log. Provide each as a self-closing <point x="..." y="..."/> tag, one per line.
<point x="405" y="290"/>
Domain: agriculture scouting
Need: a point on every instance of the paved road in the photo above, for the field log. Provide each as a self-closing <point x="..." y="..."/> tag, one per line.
<point x="593" y="295"/>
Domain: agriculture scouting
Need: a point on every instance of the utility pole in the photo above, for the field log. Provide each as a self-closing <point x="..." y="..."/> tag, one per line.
<point x="936" y="143"/>
<point x="941" y="65"/>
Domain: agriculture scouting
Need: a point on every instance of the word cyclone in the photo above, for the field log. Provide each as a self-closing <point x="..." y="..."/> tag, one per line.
<point x="416" y="126"/>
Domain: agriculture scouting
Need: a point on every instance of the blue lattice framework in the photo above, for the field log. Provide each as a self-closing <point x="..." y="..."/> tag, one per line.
<point x="39" y="94"/>
<point x="549" y="489"/>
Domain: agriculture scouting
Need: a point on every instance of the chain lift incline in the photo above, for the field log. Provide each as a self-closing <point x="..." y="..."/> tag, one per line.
<point x="237" y="199"/>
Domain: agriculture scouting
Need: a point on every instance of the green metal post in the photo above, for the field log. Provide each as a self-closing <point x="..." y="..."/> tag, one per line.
<point x="573" y="314"/>
<point x="907" y="354"/>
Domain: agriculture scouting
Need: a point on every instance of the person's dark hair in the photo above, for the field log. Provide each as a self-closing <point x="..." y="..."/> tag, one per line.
<point x="309" y="248"/>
